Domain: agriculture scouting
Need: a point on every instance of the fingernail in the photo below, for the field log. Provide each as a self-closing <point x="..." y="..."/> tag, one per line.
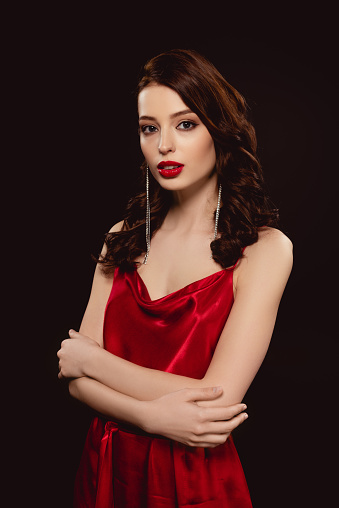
<point x="244" y="406"/>
<point x="245" y="415"/>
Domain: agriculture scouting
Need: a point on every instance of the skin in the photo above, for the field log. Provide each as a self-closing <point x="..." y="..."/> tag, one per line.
<point x="192" y="411"/>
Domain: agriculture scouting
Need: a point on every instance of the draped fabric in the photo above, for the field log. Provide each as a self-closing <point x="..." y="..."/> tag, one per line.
<point x="124" y="467"/>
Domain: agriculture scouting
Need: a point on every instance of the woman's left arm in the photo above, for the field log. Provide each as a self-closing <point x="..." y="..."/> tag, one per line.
<point x="261" y="278"/>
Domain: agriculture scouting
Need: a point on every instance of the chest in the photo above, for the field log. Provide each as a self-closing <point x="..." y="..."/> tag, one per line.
<point x="177" y="333"/>
<point x="176" y="261"/>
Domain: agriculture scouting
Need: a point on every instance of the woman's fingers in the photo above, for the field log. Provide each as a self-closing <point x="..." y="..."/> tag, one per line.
<point x="220" y="427"/>
<point x="209" y="440"/>
<point x="214" y="425"/>
<point x="212" y="434"/>
<point x="194" y="394"/>
<point x="211" y="393"/>
<point x="181" y="418"/>
<point x="221" y="413"/>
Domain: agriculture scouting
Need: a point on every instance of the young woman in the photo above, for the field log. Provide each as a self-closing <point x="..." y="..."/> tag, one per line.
<point x="183" y="304"/>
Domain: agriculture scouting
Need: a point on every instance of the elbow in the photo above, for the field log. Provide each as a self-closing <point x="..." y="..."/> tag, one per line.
<point x="73" y="388"/>
<point x="228" y="396"/>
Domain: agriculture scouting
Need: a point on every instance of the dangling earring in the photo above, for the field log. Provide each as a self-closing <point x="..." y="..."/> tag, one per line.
<point x="148" y="219"/>
<point x="217" y="213"/>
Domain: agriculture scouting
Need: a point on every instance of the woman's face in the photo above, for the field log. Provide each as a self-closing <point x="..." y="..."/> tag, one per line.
<point x="176" y="144"/>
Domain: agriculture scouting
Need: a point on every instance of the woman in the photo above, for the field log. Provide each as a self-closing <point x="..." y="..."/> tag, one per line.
<point x="168" y="350"/>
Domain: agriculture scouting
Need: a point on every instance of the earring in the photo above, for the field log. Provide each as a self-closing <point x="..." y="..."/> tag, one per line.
<point x="217" y="213"/>
<point x="148" y="219"/>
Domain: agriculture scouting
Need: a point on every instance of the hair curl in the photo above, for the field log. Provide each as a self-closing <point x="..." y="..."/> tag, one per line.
<point x="245" y="202"/>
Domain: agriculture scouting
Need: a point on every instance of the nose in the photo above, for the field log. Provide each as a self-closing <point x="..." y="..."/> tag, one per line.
<point x="166" y="144"/>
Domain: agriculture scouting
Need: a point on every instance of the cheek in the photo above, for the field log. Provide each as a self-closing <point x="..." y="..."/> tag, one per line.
<point x="205" y="149"/>
<point x="143" y="146"/>
<point x="147" y="146"/>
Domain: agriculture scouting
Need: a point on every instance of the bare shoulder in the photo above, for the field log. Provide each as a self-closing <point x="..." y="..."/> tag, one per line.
<point x="272" y="245"/>
<point x="270" y="257"/>
<point x="117" y="227"/>
<point x="92" y="323"/>
<point x="273" y="235"/>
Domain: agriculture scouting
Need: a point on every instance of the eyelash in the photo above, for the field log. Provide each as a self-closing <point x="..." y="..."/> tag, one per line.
<point x="192" y="125"/>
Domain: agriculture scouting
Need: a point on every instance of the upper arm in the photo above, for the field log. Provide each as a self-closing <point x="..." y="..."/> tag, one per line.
<point x="93" y="319"/>
<point x="261" y="279"/>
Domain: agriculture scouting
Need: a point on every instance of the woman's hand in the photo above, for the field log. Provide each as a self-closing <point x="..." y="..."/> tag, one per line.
<point x="178" y="416"/>
<point x="74" y="355"/>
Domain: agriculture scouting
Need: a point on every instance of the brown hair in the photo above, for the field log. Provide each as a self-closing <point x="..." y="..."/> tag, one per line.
<point x="245" y="204"/>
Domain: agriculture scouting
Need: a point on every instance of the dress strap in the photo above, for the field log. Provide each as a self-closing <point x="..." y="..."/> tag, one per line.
<point x="242" y="252"/>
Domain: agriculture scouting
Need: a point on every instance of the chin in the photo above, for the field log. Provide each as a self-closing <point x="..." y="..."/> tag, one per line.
<point x="180" y="183"/>
<point x="174" y="184"/>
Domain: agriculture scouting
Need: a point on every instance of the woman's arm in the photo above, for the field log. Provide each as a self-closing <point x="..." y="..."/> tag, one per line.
<point x="106" y="401"/>
<point x="262" y="276"/>
<point x="176" y="416"/>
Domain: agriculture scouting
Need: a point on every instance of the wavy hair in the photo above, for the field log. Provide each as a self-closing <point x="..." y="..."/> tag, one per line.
<point x="245" y="203"/>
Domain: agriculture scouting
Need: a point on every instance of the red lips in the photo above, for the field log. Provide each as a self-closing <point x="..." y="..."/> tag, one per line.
<point x="169" y="169"/>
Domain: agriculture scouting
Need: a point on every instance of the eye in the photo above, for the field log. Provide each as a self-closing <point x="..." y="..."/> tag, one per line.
<point x="186" y="125"/>
<point x="148" y="129"/>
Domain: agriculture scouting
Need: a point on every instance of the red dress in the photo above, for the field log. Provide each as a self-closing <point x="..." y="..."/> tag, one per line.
<point x="122" y="466"/>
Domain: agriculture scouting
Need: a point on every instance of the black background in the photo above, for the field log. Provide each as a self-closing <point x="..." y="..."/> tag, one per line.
<point x="75" y="160"/>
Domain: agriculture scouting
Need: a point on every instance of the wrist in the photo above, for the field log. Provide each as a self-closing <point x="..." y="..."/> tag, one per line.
<point x="73" y="388"/>
<point x="145" y="416"/>
<point x="91" y="363"/>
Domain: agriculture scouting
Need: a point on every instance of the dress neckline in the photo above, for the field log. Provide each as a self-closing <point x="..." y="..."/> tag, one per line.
<point x="198" y="282"/>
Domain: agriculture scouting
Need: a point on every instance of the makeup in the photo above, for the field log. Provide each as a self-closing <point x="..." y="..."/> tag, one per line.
<point x="169" y="169"/>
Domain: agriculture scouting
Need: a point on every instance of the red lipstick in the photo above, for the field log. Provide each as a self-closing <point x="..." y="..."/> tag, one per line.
<point x="169" y="169"/>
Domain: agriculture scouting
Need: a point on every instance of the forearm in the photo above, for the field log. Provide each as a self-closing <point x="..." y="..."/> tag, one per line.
<point x="176" y="416"/>
<point x="133" y="380"/>
<point x="109" y="402"/>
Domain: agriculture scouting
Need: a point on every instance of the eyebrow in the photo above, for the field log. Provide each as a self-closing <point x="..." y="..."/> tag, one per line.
<point x="174" y="115"/>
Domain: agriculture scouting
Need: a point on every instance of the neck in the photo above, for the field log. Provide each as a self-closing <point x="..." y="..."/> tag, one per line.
<point x="194" y="207"/>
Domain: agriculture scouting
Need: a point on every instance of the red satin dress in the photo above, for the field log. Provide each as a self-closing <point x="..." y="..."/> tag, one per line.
<point x="124" y="467"/>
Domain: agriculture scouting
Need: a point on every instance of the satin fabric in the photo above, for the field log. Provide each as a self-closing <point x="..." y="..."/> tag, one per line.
<point x="123" y="467"/>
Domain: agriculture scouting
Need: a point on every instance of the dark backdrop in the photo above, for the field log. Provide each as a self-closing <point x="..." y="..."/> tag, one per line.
<point x="77" y="73"/>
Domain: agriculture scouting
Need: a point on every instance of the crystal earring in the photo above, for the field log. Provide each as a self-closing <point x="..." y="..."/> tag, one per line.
<point x="148" y="219"/>
<point x="217" y="213"/>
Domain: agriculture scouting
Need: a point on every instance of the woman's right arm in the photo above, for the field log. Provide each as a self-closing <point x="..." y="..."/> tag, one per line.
<point x="106" y="401"/>
<point x="176" y="415"/>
